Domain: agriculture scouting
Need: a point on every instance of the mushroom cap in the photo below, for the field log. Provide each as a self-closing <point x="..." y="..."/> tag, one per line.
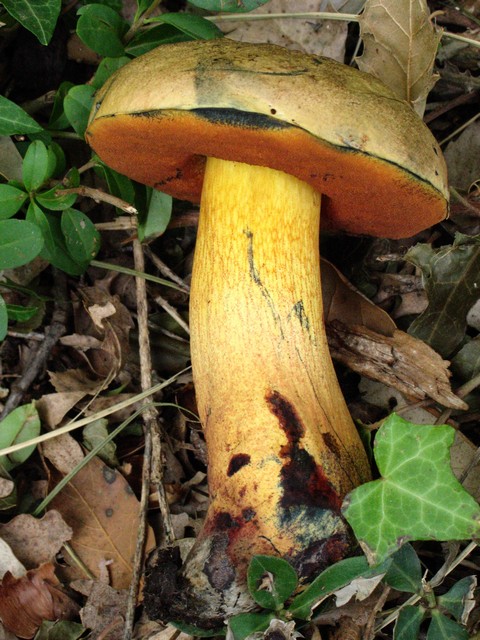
<point x="341" y="130"/>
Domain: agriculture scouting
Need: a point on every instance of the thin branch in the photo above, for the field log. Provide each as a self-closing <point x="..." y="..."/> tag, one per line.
<point x="99" y="196"/>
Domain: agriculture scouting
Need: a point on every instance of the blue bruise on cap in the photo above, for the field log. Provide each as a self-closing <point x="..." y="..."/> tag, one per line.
<point x="237" y="118"/>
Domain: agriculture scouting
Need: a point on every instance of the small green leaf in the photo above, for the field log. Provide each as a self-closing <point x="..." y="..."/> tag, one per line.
<point x="14" y="120"/>
<point x="77" y="105"/>
<point x="145" y="41"/>
<point x="36" y="166"/>
<point x="118" y="184"/>
<point x="158" y="215"/>
<point x="329" y="581"/>
<point x="105" y="69"/>
<point x="58" y="119"/>
<point x="81" y="237"/>
<point x="54" y="249"/>
<point x="102" y="29"/>
<point x="3" y="319"/>
<point x="245" y="624"/>
<point x="22" y="424"/>
<point x="54" y="200"/>
<point x="94" y="434"/>
<point x="417" y="498"/>
<point x="18" y="313"/>
<point x="408" y="623"/>
<point x="20" y="242"/>
<point x="442" y="628"/>
<point x="60" y="630"/>
<point x="38" y="16"/>
<point x="233" y="6"/>
<point x="11" y="200"/>
<point x="405" y="571"/>
<point x="459" y="600"/>
<point x="195" y="27"/>
<point x="271" y="581"/>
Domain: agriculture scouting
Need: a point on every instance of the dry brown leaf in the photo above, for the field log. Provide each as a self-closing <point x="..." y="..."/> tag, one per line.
<point x="64" y="452"/>
<point x="74" y="380"/>
<point x="105" y="607"/>
<point x="399" y="47"/>
<point x="342" y="302"/>
<point x="399" y="361"/>
<point x="6" y="487"/>
<point x="53" y="407"/>
<point x="103" y="512"/>
<point x="326" y="37"/>
<point x="9" y="562"/>
<point x="27" y="601"/>
<point x="35" y="541"/>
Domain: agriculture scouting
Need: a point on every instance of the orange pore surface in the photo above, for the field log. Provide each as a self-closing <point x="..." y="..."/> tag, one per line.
<point x="364" y="194"/>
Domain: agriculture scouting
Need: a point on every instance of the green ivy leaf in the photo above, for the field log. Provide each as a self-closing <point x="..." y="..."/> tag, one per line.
<point x="11" y="200"/>
<point x="77" y="105"/>
<point x="96" y="433"/>
<point x="459" y="600"/>
<point x="329" y="581"/>
<point x="14" y="120"/>
<point x="233" y="6"/>
<point x="193" y="26"/>
<point x="192" y="630"/>
<point x="245" y="624"/>
<point x="405" y="571"/>
<point x="58" y="119"/>
<point x="145" y="41"/>
<point x="271" y="581"/>
<point x="3" y="319"/>
<point x="20" y="242"/>
<point x="442" y="628"/>
<point x="36" y="166"/>
<point x="102" y="29"/>
<point x="22" y="424"/>
<point x="18" y="313"/>
<point x="450" y="275"/>
<point x="417" y="498"/>
<point x="81" y="237"/>
<point x="38" y="16"/>
<point x="408" y="623"/>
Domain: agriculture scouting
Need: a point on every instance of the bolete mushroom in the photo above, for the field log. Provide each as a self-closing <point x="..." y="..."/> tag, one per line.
<point x="256" y="133"/>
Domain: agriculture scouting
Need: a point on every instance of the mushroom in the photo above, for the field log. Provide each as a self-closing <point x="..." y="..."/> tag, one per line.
<point x="256" y="133"/>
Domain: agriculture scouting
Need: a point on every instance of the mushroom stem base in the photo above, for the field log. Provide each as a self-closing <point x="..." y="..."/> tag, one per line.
<point x="282" y="448"/>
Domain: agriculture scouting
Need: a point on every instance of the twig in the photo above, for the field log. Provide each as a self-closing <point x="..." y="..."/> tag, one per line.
<point x="99" y="196"/>
<point x="173" y="313"/>
<point x="41" y="351"/>
<point x="152" y="452"/>
<point x="165" y="270"/>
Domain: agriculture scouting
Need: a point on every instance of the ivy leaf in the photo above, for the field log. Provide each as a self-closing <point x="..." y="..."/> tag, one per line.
<point x="245" y="624"/>
<point x="20" y="242"/>
<point x="405" y="572"/>
<point x="443" y="628"/>
<point x="22" y="424"/>
<point x="270" y="581"/>
<point x="38" y="16"/>
<point x="450" y="276"/>
<point x="417" y="497"/>
<point x="460" y="600"/>
<point x="399" y="47"/>
<point x="77" y="105"/>
<point x="195" y="27"/>
<point x="408" y="623"/>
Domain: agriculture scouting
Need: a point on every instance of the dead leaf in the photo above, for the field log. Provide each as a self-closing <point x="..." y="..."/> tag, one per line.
<point x="9" y="562"/>
<point x="64" y="452"/>
<point x="26" y="601"/>
<point x="53" y="407"/>
<point x="36" y="541"/>
<point x="6" y="487"/>
<point x="326" y="37"/>
<point x="408" y="365"/>
<point x="399" y="47"/>
<point x="105" y="607"/>
<point x="360" y="589"/>
<point x="450" y="276"/>
<point x="463" y="158"/>
<point x="342" y="302"/>
<point x="103" y="512"/>
<point x="74" y="380"/>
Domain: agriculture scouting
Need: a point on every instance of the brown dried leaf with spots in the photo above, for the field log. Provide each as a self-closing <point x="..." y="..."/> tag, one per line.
<point x="399" y="47"/>
<point x="27" y="601"/>
<point x="101" y="508"/>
